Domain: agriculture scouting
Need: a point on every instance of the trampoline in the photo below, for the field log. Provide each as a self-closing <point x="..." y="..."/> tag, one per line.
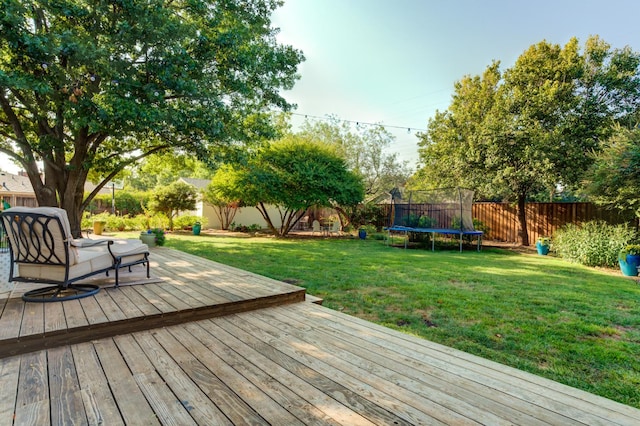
<point x="445" y="211"/>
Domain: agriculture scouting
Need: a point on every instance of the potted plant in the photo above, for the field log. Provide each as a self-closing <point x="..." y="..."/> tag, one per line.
<point x="159" y="233"/>
<point x="148" y="237"/>
<point x="196" y="228"/>
<point x="542" y="245"/>
<point x="629" y="260"/>
<point x="98" y="226"/>
<point x="153" y="237"/>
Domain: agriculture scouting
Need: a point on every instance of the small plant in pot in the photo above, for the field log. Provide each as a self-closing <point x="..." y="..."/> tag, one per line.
<point x="159" y="233"/>
<point x="153" y="237"/>
<point x="629" y="260"/>
<point x="543" y="245"/>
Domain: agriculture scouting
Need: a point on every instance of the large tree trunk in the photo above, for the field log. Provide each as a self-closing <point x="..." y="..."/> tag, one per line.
<point x="60" y="189"/>
<point x="522" y="217"/>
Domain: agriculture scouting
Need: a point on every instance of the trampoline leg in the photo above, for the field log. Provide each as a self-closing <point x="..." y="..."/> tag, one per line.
<point x="433" y="241"/>
<point x="461" y="242"/>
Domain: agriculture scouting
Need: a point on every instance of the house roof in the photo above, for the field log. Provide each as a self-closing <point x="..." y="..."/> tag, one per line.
<point x="198" y="183"/>
<point x="18" y="184"/>
<point x="14" y="184"/>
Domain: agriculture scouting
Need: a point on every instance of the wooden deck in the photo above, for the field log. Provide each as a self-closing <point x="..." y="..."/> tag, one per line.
<point x="264" y="361"/>
<point x="191" y="289"/>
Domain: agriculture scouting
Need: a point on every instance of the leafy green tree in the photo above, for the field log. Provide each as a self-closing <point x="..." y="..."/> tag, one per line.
<point x="172" y="199"/>
<point x="614" y="178"/>
<point x="292" y="174"/>
<point x="96" y="86"/>
<point x="167" y="167"/>
<point x="451" y="151"/>
<point x="224" y="208"/>
<point x="126" y="202"/>
<point x="525" y="131"/>
<point x="365" y="153"/>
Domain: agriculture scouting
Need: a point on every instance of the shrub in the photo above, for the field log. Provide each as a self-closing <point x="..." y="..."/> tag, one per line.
<point x="157" y="220"/>
<point x="126" y="202"/>
<point x="478" y="225"/>
<point x="368" y="213"/>
<point x="244" y="228"/>
<point x="370" y="229"/>
<point x="415" y="221"/>
<point x="118" y="223"/>
<point x="137" y="223"/>
<point x="87" y="220"/>
<point x="187" y="221"/>
<point x="254" y="227"/>
<point x="593" y="243"/>
<point x="115" y="223"/>
<point x="159" y="236"/>
<point x="420" y="222"/>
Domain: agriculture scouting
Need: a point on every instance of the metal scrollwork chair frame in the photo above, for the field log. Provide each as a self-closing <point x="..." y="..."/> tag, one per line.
<point x="41" y="241"/>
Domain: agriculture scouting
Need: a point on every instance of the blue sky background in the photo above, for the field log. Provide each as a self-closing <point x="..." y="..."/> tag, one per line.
<point x="395" y="61"/>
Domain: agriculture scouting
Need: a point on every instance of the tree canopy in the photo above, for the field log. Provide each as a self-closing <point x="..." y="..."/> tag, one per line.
<point x="292" y="174"/>
<point x="365" y="152"/>
<point x="173" y="198"/>
<point x="532" y="127"/>
<point x="96" y="85"/>
<point x="614" y="178"/>
<point x="164" y="168"/>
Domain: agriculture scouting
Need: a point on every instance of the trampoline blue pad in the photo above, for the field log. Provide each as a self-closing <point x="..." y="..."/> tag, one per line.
<point x="432" y="230"/>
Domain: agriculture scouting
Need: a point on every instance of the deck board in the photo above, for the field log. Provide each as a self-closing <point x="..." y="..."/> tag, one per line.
<point x="182" y="295"/>
<point x="199" y="359"/>
<point x="65" y="396"/>
<point x="99" y="402"/>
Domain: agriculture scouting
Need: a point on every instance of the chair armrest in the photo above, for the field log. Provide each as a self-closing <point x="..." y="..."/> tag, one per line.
<point x="86" y="242"/>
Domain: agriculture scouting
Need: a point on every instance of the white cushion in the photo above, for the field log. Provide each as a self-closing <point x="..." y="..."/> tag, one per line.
<point x="88" y="261"/>
<point x="129" y="250"/>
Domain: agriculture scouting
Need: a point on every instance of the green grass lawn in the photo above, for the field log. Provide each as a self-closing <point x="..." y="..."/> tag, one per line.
<point x="573" y="324"/>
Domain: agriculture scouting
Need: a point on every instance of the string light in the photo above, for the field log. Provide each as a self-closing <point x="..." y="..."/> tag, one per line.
<point x="360" y="123"/>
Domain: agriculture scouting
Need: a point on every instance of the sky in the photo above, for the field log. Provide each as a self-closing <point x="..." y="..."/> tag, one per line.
<point x="395" y="62"/>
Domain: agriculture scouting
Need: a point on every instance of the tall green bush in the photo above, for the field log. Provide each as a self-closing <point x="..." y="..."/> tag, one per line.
<point x="125" y="223"/>
<point x="129" y="202"/>
<point x="182" y="222"/>
<point x="593" y="243"/>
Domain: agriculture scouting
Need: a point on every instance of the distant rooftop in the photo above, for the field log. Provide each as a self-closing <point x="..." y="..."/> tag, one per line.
<point x="198" y="183"/>
<point x="10" y="183"/>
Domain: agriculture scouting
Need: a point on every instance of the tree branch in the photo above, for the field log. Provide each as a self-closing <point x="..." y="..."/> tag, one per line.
<point x="117" y="170"/>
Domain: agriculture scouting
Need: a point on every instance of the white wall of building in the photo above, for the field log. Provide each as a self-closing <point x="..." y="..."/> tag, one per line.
<point x="244" y="216"/>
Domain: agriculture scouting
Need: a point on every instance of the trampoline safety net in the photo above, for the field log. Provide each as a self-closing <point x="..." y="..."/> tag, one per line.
<point x="444" y="208"/>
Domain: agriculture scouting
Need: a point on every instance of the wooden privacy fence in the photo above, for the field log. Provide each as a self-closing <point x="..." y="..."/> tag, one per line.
<point x="543" y="219"/>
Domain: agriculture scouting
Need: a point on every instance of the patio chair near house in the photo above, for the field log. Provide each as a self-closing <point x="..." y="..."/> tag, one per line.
<point x="303" y="224"/>
<point x="42" y="250"/>
<point x="335" y="228"/>
<point x="315" y="227"/>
